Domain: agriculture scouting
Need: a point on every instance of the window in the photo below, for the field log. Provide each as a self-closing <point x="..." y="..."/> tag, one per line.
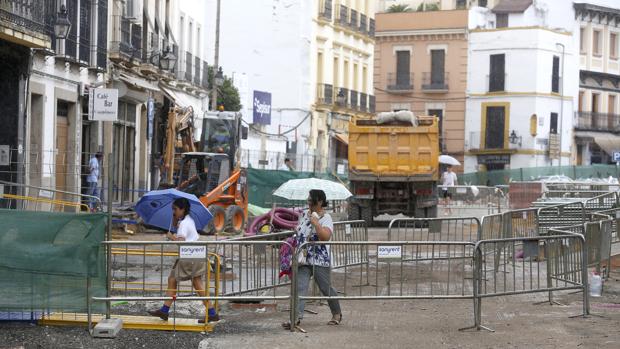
<point x="403" y="66"/>
<point x="613" y="45"/>
<point x="438" y="59"/>
<point x="553" y="126"/>
<point x="497" y="73"/>
<point x="495" y="127"/>
<point x="596" y="43"/>
<point x="482" y="3"/>
<point x="580" y="106"/>
<point x="611" y="105"/>
<point x="461" y="4"/>
<point x="582" y="40"/>
<point x="533" y="125"/>
<point x="501" y="20"/>
<point x="555" y="75"/>
<point x="594" y="106"/>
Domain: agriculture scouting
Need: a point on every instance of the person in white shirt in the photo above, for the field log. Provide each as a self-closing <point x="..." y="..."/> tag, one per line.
<point x="184" y="270"/>
<point x="448" y="179"/>
<point x="92" y="179"/>
<point x="287" y="165"/>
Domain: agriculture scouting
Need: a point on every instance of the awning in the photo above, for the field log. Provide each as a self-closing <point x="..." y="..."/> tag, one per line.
<point x="609" y="142"/>
<point x="184" y="100"/>
<point x="342" y="138"/>
<point x="139" y="83"/>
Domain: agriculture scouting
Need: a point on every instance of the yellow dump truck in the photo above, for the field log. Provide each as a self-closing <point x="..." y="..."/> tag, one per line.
<point x="393" y="168"/>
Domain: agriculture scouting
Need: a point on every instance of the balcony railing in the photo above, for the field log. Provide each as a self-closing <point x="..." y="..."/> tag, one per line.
<point x="197" y="71"/>
<point x="371" y="103"/>
<point x="354" y="100"/>
<point x="343" y="15"/>
<point x="590" y="121"/>
<point x="342" y="97"/>
<point x="153" y="49"/>
<point x="496" y="83"/>
<point x="363" y="102"/>
<point x="205" y="75"/>
<point x="325" y="94"/>
<point x="29" y="15"/>
<point x="188" y="66"/>
<point x="435" y="82"/>
<point x="400" y="82"/>
<point x="326" y="11"/>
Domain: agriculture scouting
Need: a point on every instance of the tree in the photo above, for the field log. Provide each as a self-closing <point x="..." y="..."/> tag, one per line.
<point x="428" y="7"/>
<point x="399" y="8"/>
<point x="227" y="94"/>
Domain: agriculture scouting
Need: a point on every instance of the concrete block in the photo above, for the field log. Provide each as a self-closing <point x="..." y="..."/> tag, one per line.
<point x="108" y="328"/>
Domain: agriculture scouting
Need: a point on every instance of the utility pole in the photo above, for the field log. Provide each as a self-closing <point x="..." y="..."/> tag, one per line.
<point x="216" y="58"/>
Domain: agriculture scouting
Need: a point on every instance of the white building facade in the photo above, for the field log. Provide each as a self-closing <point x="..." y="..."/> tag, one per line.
<point x="302" y="54"/>
<point x="522" y="84"/>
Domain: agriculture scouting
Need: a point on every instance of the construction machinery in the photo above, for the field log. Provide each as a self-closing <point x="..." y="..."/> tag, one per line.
<point x="393" y="168"/>
<point x="210" y="169"/>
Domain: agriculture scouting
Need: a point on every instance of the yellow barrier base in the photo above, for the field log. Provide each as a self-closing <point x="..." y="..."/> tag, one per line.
<point x="129" y="322"/>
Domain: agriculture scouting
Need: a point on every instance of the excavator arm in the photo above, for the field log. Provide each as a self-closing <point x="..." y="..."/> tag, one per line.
<point x="180" y="123"/>
<point x="222" y="191"/>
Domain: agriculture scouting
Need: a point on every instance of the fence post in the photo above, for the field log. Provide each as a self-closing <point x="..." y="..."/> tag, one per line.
<point x="109" y="235"/>
<point x="293" y="312"/>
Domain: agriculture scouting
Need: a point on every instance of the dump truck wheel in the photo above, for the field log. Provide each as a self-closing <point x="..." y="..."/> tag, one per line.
<point x="218" y="223"/>
<point x="235" y="219"/>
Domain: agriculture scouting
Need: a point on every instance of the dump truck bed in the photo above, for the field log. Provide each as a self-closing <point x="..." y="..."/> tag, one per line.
<point x="396" y="152"/>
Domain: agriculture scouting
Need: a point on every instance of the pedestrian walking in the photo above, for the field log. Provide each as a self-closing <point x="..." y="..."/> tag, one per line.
<point x="448" y="179"/>
<point x="183" y="270"/>
<point x="315" y="260"/>
<point x="92" y="179"/>
<point x="287" y="165"/>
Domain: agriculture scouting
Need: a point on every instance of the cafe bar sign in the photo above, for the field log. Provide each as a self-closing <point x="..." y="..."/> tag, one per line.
<point x="103" y="104"/>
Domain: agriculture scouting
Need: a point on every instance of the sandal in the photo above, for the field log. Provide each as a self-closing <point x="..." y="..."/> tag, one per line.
<point x="335" y="321"/>
<point x="287" y="325"/>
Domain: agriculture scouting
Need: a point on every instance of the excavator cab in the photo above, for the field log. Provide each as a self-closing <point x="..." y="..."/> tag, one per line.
<point x="214" y="175"/>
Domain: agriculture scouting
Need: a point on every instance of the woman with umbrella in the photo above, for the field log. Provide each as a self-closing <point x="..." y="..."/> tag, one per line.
<point x="315" y="260"/>
<point x="184" y="270"/>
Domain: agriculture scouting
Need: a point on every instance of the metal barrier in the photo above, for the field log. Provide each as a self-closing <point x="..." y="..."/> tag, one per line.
<point x="398" y="270"/>
<point x="28" y="197"/>
<point x="434" y="229"/>
<point x="614" y="214"/>
<point x="523" y="271"/>
<point x="562" y="215"/>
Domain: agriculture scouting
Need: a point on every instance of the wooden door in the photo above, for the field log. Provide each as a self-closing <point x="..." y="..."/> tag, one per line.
<point x="62" y="133"/>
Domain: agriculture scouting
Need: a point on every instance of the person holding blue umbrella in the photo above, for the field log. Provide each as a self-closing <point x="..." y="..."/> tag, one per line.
<point x="184" y="270"/>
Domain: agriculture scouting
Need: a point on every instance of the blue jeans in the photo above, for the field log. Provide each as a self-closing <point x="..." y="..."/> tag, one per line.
<point x="92" y="191"/>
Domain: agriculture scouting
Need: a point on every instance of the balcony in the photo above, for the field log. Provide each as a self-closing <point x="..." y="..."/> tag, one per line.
<point x="590" y="121"/>
<point x="325" y="94"/>
<point x="435" y="83"/>
<point x="400" y="82"/>
<point x="205" y="75"/>
<point x="130" y="45"/>
<point x="363" y="102"/>
<point x="343" y="16"/>
<point x="197" y="71"/>
<point x="325" y="12"/>
<point x="27" y="22"/>
<point x="354" y="100"/>
<point x="342" y="97"/>
<point x="188" y="67"/>
<point x="363" y="28"/>
<point x="353" y="19"/>
<point x="496" y="83"/>
<point x="371" y="104"/>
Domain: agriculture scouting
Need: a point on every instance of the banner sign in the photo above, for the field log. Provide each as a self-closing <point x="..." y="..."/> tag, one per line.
<point x="262" y="108"/>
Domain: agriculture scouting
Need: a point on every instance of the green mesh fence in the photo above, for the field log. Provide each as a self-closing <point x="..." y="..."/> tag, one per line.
<point x="46" y="259"/>
<point x="262" y="183"/>
<point x="527" y="174"/>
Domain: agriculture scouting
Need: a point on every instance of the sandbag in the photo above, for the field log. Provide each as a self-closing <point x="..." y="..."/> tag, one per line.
<point x="401" y="115"/>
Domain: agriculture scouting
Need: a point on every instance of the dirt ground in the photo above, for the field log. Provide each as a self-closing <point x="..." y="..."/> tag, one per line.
<point x="517" y="321"/>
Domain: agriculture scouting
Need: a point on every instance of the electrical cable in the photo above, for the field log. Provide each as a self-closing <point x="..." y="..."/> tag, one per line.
<point x="281" y="133"/>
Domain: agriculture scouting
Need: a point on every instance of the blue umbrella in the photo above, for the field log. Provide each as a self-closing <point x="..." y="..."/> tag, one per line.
<point x="155" y="208"/>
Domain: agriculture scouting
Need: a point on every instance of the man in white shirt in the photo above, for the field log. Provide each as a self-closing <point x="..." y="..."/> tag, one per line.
<point x="93" y="178"/>
<point x="287" y="165"/>
<point x="448" y="179"/>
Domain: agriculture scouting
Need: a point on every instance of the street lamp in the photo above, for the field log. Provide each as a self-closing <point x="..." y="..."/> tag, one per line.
<point x="219" y="78"/>
<point x="561" y="46"/>
<point x="514" y="139"/>
<point x="168" y="60"/>
<point x="62" y="24"/>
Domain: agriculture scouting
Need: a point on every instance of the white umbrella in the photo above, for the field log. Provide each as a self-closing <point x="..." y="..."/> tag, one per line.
<point x="298" y="189"/>
<point x="448" y="160"/>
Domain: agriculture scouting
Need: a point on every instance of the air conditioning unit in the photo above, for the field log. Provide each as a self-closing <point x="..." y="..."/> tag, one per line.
<point x="133" y="10"/>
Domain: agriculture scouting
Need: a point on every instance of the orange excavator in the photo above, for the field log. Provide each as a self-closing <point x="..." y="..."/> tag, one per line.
<point x="210" y="169"/>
